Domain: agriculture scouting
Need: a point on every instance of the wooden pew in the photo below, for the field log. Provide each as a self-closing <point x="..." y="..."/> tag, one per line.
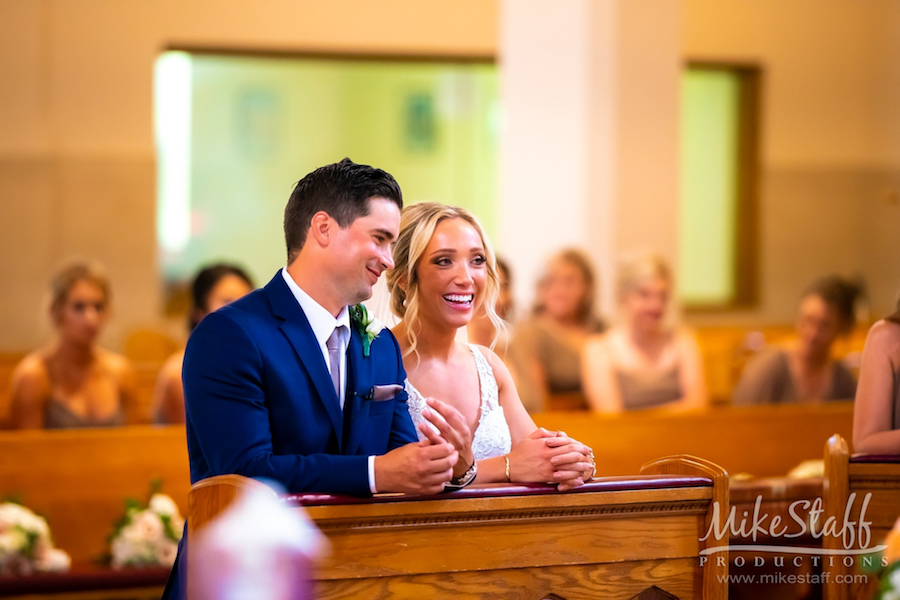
<point x="614" y="538"/>
<point x="8" y="362"/>
<point x="765" y="441"/>
<point x="873" y="482"/>
<point x="79" y="479"/>
<point x="775" y="496"/>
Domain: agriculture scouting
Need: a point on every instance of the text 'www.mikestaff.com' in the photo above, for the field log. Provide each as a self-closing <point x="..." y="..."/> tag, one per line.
<point x="794" y="578"/>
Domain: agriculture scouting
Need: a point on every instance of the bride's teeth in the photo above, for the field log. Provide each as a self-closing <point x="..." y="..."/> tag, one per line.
<point x="458" y="298"/>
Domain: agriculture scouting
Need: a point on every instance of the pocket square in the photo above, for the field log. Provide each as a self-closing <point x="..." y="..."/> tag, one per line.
<point x="379" y="393"/>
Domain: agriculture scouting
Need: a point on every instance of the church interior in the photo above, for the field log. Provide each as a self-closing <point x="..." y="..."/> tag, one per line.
<point x="752" y="147"/>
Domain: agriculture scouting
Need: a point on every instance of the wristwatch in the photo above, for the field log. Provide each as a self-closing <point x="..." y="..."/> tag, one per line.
<point x="458" y="483"/>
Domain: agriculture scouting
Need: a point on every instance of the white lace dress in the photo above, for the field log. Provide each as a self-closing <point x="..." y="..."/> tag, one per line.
<point x="492" y="433"/>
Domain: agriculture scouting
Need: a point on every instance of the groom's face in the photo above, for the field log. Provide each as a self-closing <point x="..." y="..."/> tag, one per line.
<point x="363" y="250"/>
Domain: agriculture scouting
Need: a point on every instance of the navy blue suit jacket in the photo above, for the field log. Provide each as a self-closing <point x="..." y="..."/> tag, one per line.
<point x="260" y="403"/>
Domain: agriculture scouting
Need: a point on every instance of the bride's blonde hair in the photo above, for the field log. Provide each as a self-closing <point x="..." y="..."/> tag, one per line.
<point x="417" y="225"/>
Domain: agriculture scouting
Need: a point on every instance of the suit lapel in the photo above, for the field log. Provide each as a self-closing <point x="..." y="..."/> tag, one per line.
<point x="299" y="333"/>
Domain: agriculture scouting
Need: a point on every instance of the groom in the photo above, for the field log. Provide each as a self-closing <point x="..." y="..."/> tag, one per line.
<point x="287" y="384"/>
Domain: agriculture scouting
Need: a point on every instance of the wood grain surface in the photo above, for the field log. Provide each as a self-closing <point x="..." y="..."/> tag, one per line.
<point x="589" y="544"/>
<point x="764" y="441"/>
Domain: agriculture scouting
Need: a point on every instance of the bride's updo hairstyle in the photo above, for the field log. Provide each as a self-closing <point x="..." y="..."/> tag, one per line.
<point x="417" y="225"/>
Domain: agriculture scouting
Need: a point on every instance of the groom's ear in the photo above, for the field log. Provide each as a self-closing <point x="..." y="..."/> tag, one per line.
<point x="321" y="228"/>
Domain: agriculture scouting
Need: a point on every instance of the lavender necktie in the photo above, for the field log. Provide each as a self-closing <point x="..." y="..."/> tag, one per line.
<point x="334" y="360"/>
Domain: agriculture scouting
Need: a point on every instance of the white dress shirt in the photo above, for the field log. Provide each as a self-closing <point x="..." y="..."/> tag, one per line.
<point x="323" y="323"/>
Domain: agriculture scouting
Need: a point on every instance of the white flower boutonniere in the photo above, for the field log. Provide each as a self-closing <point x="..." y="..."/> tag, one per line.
<point x="368" y="326"/>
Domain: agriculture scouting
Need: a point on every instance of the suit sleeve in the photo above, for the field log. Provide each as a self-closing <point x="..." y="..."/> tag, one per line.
<point x="228" y="418"/>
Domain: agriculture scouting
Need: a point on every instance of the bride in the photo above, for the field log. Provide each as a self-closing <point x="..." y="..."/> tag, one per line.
<point x="444" y="270"/>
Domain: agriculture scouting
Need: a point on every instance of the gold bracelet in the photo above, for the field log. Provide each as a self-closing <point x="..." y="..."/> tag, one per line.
<point x="506" y="458"/>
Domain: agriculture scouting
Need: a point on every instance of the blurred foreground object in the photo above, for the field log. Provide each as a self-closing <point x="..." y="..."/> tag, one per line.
<point x="258" y="548"/>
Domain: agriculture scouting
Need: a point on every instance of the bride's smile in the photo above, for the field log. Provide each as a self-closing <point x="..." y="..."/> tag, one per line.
<point x="452" y="274"/>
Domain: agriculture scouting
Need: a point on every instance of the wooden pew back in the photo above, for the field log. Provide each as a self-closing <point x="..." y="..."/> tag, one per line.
<point x="8" y="362"/>
<point x="79" y="479"/>
<point x="765" y="441"/>
<point x="614" y="538"/>
<point x="872" y="482"/>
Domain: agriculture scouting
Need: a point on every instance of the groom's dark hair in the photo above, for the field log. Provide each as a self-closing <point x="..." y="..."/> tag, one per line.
<point x="342" y="190"/>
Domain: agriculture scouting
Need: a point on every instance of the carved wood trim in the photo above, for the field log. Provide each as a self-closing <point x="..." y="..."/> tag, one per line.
<point x="715" y="577"/>
<point x="673" y="509"/>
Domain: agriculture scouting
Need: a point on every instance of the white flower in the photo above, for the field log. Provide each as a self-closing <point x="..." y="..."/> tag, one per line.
<point x="14" y="514"/>
<point x="54" y="561"/>
<point x="164" y="505"/>
<point x="12" y="542"/>
<point x="23" y="531"/>
<point x="132" y="552"/>
<point x="147" y="526"/>
<point x="166" y="550"/>
<point x="123" y="552"/>
<point x="895" y="580"/>
<point x="35" y="524"/>
<point x="374" y="327"/>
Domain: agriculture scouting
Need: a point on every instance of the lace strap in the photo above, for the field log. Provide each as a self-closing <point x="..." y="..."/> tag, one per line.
<point x="490" y="393"/>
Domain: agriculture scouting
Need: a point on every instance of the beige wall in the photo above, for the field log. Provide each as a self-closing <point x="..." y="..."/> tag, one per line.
<point x="77" y="172"/>
<point x="77" y="167"/>
<point x="592" y="135"/>
<point x="591" y="141"/>
<point x="830" y="138"/>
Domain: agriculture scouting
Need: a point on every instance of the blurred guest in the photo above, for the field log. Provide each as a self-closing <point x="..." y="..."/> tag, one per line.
<point x="73" y="382"/>
<point x="213" y="287"/>
<point x="643" y="362"/>
<point x="481" y="330"/>
<point x="876" y="414"/>
<point x="804" y="371"/>
<point x="545" y="351"/>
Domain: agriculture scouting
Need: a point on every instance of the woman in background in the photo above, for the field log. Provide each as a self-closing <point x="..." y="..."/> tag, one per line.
<point x="213" y="287"/>
<point x="876" y="413"/>
<point x="545" y="350"/>
<point x="643" y="362"/>
<point x="444" y="271"/>
<point x="73" y="382"/>
<point x="804" y="371"/>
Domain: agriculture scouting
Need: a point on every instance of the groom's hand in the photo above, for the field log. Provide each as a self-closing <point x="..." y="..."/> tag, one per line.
<point x="453" y="428"/>
<point x="418" y="468"/>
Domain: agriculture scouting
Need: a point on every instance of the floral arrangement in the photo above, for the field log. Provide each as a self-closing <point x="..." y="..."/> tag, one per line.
<point x="147" y="536"/>
<point x="890" y="578"/>
<point x="25" y="543"/>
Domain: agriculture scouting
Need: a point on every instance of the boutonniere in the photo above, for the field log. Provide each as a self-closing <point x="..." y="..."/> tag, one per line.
<point x="368" y="326"/>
